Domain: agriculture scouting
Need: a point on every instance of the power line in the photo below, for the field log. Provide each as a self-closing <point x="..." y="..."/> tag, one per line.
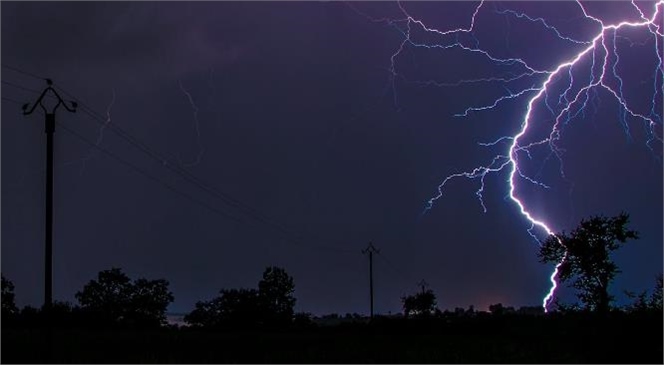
<point x="12" y="100"/>
<point x="180" y="171"/>
<point x="22" y="71"/>
<point x="145" y="174"/>
<point x="188" y="176"/>
<point x="168" y="186"/>
<point x="191" y="178"/>
<point x="404" y="276"/>
<point x="24" y="88"/>
<point x="142" y="146"/>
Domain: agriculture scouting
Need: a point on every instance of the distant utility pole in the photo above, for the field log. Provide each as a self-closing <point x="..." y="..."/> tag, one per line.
<point x="423" y="284"/>
<point x="49" y="123"/>
<point x="371" y="250"/>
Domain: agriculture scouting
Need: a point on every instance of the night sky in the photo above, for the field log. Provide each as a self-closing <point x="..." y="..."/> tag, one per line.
<point x="308" y="114"/>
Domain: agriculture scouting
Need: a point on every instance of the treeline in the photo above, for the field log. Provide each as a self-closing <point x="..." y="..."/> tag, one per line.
<point x="271" y="305"/>
<point x="113" y="299"/>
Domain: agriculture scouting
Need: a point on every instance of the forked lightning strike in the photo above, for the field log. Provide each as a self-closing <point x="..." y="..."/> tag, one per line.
<point x="601" y="50"/>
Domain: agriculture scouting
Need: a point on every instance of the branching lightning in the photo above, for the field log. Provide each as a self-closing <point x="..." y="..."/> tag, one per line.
<point x="565" y="91"/>
<point x="100" y="134"/>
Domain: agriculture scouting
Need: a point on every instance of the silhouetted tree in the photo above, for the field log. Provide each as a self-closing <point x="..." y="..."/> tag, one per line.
<point x="113" y="298"/>
<point x="232" y="308"/>
<point x="108" y="297"/>
<point x="586" y="252"/>
<point x="148" y="302"/>
<point x="240" y="306"/>
<point x="566" y="307"/>
<point x="422" y="304"/>
<point x="66" y="314"/>
<point x="303" y="320"/>
<point x="30" y="316"/>
<point x="205" y="314"/>
<point x="272" y="304"/>
<point x="8" y="304"/>
<point x="531" y="310"/>
<point x="656" y="296"/>
<point x="497" y="309"/>
<point x="642" y="302"/>
<point x="275" y="291"/>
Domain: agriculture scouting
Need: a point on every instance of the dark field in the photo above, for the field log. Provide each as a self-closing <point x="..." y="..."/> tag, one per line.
<point x="509" y="339"/>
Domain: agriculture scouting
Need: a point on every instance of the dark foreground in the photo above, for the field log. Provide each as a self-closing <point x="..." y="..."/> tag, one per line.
<point x="505" y="339"/>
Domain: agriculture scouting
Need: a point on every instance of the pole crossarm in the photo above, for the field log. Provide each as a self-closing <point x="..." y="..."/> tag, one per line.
<point x="27" y="110"/>
<point x="370" y="249"/>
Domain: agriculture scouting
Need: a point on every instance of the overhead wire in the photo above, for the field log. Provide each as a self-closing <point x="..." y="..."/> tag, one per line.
<point x="193" y="179"/>
<point x="188" y="176"/>
<point x="144" y="173"/>
<point x="185" y="174"/>
<point x="23" y="71"/>
<point x="12" y="100"/>
<point x="404" y="276"/>
<point x="23" y="88"/>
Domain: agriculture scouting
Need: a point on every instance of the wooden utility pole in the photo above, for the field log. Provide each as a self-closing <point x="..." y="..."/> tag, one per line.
<point x="371" y="250"/>
<point x="49" y="123"/>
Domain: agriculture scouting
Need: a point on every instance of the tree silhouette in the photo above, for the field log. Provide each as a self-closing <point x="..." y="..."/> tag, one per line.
<point x="232" y="308"/>
<point x="107" y="297"/>
<point x="275" y="291"/>
<point x="114" y="298"/>
<point x="422" y="304"/>
<point x="656" y="296"/>
<point x="586" y="253"/>
<point x="8" y="304"/>
<point x="497" y="309"/>
<point x="272" y="304"/>
<point x="205" y="314"/>
<point x="641" y="301"/>
<point x="148" y="302"/>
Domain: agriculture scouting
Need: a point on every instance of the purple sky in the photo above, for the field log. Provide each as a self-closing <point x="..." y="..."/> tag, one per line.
<point x="296" y="114"/>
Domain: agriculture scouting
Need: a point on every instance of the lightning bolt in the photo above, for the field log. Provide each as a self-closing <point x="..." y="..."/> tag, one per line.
<point x="196" y="127"/>
<point x="562" y="90"/>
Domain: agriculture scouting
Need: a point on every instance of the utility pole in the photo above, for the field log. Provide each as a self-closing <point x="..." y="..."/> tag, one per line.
<point x="371" y="250"/>
<point x="49" y="124"/>
<point x="423" y="284"/>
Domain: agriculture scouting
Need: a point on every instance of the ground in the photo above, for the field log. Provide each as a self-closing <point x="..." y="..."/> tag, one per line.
<point x="503" y="339"/>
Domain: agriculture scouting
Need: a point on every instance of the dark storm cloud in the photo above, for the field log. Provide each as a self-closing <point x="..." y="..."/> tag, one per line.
<point x="297" y="120"/>
<point x="124" y="39"/>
